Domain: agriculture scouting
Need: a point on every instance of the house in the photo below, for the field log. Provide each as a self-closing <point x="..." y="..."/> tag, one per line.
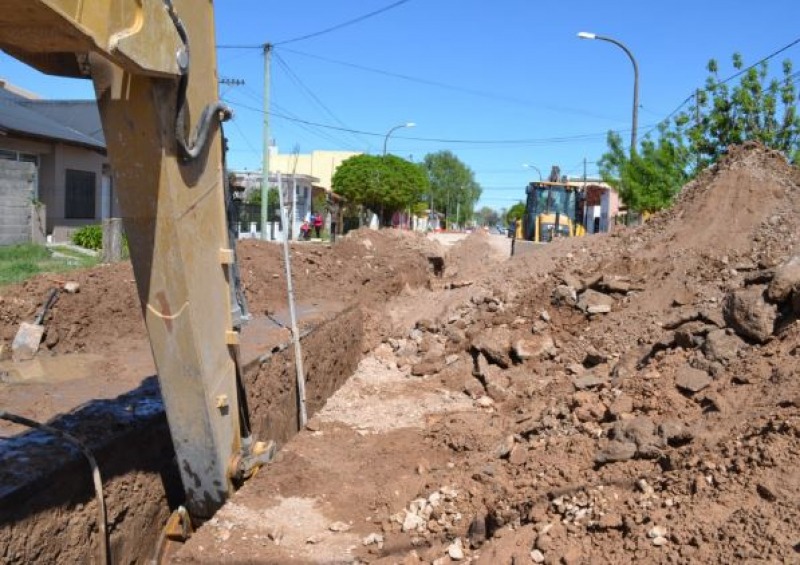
<point x="319" y="164"/>
<point x="298" y="194"/>
<point x="64" y="140"/>
<point x="601" y="204"/>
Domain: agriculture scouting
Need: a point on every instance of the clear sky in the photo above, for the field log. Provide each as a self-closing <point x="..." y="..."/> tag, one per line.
<point x="499" y="83"/>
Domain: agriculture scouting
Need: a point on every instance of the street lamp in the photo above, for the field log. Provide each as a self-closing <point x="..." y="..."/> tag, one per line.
<point x="388" y="133"/>
<point x="587" y="35"/>
<point x="535" y="168"/>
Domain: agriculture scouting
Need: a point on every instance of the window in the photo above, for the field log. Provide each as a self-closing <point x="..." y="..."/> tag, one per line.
<point x="18" y="156"/>
<point x="80" y="189"/>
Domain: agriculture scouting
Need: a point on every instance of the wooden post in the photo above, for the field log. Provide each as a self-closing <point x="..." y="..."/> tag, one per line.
<point x="112" y="240"/>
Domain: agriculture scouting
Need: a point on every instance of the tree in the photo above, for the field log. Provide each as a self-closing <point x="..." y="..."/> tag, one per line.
<point x="648" y="180"/>
<point x="756" y="109"/>
<point x="384" y="184"/>
<point x="515" y="212"/>
<point x="453" y="188"/>
<point x="272" y="198"/>
<point x="487" y="216"/>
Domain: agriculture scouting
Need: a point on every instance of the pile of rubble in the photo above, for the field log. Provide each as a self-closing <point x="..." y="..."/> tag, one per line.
<point x="641" y="402"/>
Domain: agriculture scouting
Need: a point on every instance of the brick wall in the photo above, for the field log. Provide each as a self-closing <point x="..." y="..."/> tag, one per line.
<point x="16" y="196"/>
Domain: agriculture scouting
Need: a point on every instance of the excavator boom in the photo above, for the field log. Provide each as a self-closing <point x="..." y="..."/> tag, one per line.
<point x="153" y="65"/>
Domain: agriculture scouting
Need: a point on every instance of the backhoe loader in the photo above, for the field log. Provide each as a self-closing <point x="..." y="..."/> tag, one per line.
<point x="153" y="65"/>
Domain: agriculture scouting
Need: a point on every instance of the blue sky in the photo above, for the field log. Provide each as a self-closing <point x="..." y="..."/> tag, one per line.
<point x="514" y="83"/>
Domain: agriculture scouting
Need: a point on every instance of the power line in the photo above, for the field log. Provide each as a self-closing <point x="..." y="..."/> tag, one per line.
<point x="727" y="80"/>
<point x="344" y="24"/>
<point x="529" y="141"/>
<point x="310" y="93"/>
<point x="445" y="86"/>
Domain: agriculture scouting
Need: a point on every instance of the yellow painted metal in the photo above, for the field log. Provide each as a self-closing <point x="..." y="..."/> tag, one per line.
<point x="137" y="35"/>
<point x="173" y="211"/>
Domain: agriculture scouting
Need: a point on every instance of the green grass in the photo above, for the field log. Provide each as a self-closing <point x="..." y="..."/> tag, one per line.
<point x="20" y="262"/>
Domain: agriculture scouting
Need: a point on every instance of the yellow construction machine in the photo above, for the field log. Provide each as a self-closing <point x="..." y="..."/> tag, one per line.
<point x="553" y="209"/>
<point x="153" y="65"/>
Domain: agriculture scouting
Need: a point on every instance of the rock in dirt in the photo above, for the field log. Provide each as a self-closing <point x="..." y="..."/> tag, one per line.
<point x="588" y="380"/>
<point x="689" y="379"/>
<point x="749" y="315"/>
<point x="623" y="404"/>
<point x="477" y="531"/>
<point x="428" y="367"/>
<point x="613" y="283"/>
<point x="537" y="556"/>
<point x="455" y="550"/>
<point x="72" y="287"/>
<point x="786" y="280"/>
<point x="495" y="344"/>
<point x="541" y="345"/>
<point x="564" y="294"/>
<point x="616" y="451"/>
<point x="593" y="302"/>
<point x="721" y="346"/>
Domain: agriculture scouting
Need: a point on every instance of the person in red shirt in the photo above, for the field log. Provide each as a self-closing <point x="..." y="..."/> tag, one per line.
<point x="317" y="221"/>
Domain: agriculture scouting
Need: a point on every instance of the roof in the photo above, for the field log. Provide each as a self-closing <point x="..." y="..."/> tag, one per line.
<point x="70" y="121"/>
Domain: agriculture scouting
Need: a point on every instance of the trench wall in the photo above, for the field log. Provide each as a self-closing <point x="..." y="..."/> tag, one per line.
<point x="48" y="511"/>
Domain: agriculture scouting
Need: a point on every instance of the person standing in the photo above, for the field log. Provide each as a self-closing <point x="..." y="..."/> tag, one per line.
<point x="317" y="220"/>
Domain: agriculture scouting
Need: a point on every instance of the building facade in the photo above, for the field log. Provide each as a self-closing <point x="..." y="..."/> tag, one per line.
<point x="64" y="140"/>
<point x="319" y="164"/>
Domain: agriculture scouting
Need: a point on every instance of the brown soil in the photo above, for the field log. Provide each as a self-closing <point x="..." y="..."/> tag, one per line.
<point x="660" y="431"/>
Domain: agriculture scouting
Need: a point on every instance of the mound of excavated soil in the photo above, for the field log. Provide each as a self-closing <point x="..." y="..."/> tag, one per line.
<point x="646" y="387"/>
<point x="365" y="266"/>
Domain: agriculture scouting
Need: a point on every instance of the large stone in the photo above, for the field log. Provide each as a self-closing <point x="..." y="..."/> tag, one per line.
<point x="749" y="315"/>
<point x="428" y="366"/>
<point x="614" y="283"/>
<point x="692" y="380"/>
<point x="565" y="294"/>
<point x="495" y="344"/>
<point x="593" y="302"/>
<point x="589" y="379"/>
<point x="721" y="346"/>
<point x="786" y="280"/>
<point x="616" y="451"/>
<point x="540" y="345"/>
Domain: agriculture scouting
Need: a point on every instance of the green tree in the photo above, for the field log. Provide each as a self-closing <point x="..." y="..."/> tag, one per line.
<point x="515" y="212"/>
<point x="272" y="198"/>
<point x="757" y="108"/>
<point x="453" y="188"/>
<point x="648" y="180"/>
<point x="384" y="184"/>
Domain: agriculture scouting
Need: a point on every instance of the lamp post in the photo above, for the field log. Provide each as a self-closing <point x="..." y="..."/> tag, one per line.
<point x="587" y="35"/>
<point x="535" y="168"/>
<point x="395" y="128"/>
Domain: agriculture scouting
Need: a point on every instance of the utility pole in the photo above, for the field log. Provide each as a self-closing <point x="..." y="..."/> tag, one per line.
<point x="697" y="119"/>
<point x="265" y="157"/>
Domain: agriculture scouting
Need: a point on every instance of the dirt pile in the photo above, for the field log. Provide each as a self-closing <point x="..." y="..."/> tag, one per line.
<point x="641" y="398"/>
<point x="365" y="266"/>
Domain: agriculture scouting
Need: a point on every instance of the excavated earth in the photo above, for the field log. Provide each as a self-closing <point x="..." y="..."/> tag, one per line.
<point x="631" y="397"/>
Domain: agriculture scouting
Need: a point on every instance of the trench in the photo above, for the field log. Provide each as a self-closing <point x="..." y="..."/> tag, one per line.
<point x="47" y="502"/>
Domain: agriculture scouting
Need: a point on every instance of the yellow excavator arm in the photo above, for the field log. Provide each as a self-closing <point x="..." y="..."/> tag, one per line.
<point x="153" y="65"/>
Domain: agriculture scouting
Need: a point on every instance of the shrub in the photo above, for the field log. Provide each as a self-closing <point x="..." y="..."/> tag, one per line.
<point x="89" y="237"/>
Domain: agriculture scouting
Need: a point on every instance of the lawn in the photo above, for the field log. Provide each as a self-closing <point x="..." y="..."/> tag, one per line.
<point x="20" y="262"/>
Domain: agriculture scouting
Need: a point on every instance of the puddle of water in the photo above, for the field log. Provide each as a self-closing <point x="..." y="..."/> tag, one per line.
<point x="45" y="370"/>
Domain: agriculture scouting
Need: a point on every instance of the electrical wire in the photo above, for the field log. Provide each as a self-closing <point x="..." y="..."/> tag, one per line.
<point x="344" y="24"/>
<point x="312" y="96"/>
<point x="102" y="522"/>
<point x="454" y="88"/>
<point x="507" y="142"/>
<point x="727" y="80"/>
